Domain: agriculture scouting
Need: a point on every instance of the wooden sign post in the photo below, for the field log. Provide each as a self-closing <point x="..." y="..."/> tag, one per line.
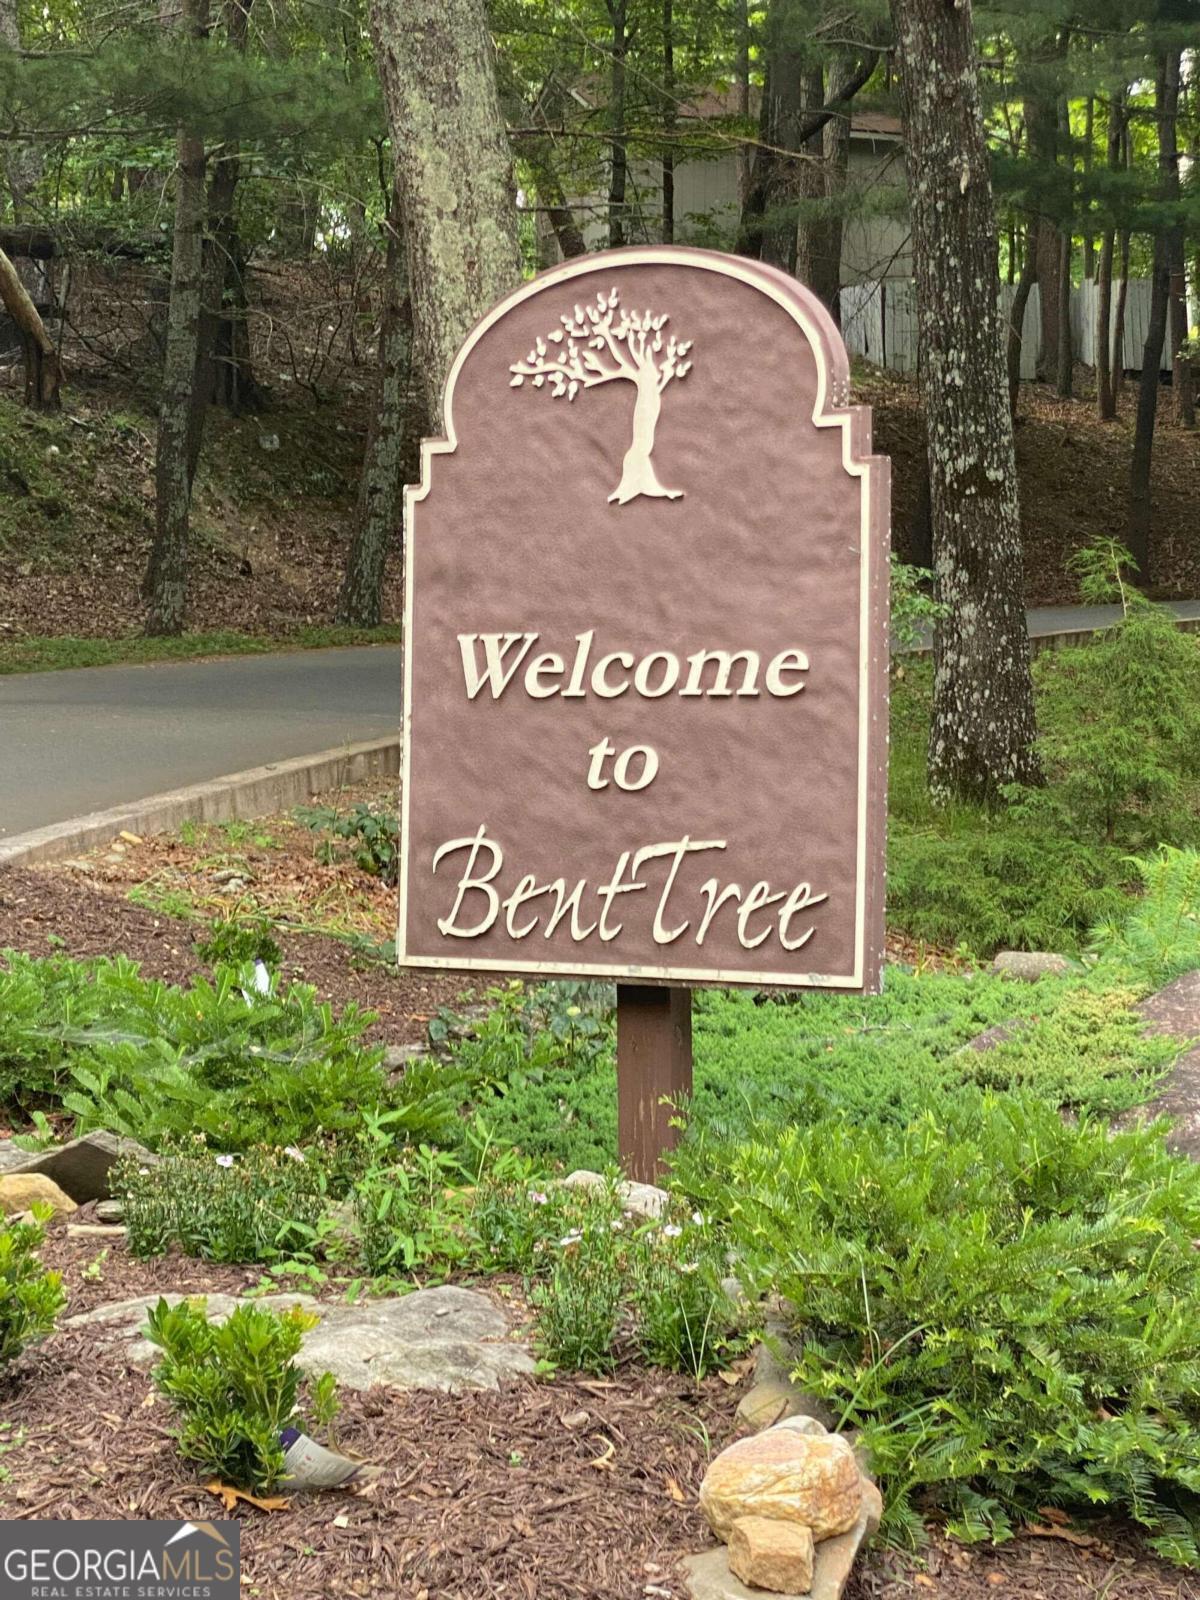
<point x="645" y="719"/>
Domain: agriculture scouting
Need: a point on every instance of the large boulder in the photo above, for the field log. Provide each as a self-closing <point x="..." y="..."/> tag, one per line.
<point x="441" y="1338"/>
<point x="642" y="1199"/>
<point x="790" y="1476"/>
<point x="21" y="1191"/>
<point x="81" y="1167"/>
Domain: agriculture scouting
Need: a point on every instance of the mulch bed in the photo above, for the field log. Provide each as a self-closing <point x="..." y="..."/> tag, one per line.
<point x="570" y="1488"/>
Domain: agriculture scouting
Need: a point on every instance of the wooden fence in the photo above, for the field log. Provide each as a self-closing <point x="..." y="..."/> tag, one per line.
<point x="879" y="323"/>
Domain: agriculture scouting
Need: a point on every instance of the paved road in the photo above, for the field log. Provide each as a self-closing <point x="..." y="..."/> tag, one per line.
<point x="79" y="741"/>
<point x="83" y="740"/>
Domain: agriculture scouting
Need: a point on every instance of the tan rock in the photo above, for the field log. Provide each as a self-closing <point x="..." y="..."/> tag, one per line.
<point x="20" y="1191"/>
<point x="771" y="1554"/>
<point x="835" y="1558"/>
<point x="794" y="1477"/>
<point x="765" y="1404"/>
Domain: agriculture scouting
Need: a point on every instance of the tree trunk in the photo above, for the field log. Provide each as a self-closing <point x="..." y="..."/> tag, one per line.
<point x="1016" y="325"/>
<point x="796" y="241"/>
<point x="540" y="157"/>
<point x="390" y="452"/>
<point x="1118" y="335"/>
<point x="745" y="154"/>
<point x="42" y="372"/>
<point x="619" y="172"/>
<point x="983" y="729"/>
<point x="453" y="169"/>
<point x="1042" y="128"/>
<point x="1106" y="394"/>
<point x="669" y="119"/>
<point x="1166" y="106"/>
<point x="1182" y="383"/>
<point x="837" y="170"/>
<point x="166" y="575"/>
<point x="1065" y="372"/>
<point x="1089" y="241"/>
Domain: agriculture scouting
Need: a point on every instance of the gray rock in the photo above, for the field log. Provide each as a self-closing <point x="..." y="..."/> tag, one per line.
<point x="444" y="1338"/>
<point x="707" y="1577"/>
<point x="95" y="1230"/>
<point x="11" y="1156"/>
<point x="1029" y="965"/>
<point x="81" y="1167"/>
<point x="1175" y="1012"/>
<point x="643" y="1199"/>
<point x="397" y="1056"/>
<point x="110" y="1210"/>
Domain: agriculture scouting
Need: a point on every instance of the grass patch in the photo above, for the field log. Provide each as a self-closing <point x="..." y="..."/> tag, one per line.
<point x="38" y="654"/>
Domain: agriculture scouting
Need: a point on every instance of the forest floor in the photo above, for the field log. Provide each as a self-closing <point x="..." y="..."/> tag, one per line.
<point x="276" y="500"/>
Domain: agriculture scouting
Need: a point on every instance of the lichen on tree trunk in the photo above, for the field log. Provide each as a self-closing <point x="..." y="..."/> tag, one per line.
<point x="453" y="169"/>
<point x="165" y="583"/>
<point x="983" y="729"/>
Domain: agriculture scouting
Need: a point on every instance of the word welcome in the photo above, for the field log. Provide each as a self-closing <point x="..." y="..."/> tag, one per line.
<point x="479" y="903"/>
<point x="617" y="671"/>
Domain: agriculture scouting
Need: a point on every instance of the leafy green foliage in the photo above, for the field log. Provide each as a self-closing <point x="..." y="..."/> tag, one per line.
<point x="372" y="834"/>
<point x="1003" y="1302"/>
<point x="234" y="1387"/>
<point x="407" y="1216"/>
<point x="913" y="608"/>
<point x="579" y="1302"/>
<point x="155" y="1062"/>
<point x="1122" y="745"/>
<point x="1160" y="938"/>
<point x="30" y="1296"/>
<point x="261" y="1206"/>
<point x="873" y="1059"/>
<point x="231" y="942"/>
<point x="683" y="1315"/>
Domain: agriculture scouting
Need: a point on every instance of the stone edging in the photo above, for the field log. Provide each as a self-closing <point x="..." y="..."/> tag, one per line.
<point x="256" y="792"/>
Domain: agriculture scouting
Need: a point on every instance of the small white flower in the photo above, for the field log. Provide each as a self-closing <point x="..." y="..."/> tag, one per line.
<point x="671" y="1230"/>
<point x="143" y="1172"/>
<point x="224" y="1161"/>
<point x="573" y="1237"/>
<point x="617" y="1225"/>
<point x="698" y="1218"/>
<point x="689" y="1266"/>
<point x="292" y="1151"/>
<point x="537" y="1198"/>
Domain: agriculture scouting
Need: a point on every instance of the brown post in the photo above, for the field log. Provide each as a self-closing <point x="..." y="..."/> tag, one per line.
<point x="654" y="1071"/>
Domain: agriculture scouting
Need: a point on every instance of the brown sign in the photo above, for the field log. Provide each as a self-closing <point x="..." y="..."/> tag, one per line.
<point x="645" y="722"/>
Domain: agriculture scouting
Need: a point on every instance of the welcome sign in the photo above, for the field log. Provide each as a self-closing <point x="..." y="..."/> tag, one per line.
<point x="646" y="643"/>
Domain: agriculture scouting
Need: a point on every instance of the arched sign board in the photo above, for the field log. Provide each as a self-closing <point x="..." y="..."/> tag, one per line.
<point x="645" y="727"/>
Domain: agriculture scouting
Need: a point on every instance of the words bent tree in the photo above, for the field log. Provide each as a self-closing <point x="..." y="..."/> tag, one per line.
<point x="983" y="729"/>
<point x="602" y="347"/>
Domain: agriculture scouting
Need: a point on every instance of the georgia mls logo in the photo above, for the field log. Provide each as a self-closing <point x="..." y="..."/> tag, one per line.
<point x="120" y="1560"/>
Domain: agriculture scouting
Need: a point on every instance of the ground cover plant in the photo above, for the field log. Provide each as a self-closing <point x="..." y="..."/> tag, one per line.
<point x="1003" y="1302"/>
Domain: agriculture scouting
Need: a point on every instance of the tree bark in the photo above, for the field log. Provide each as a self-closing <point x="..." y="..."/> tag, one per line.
<point x="390" y="454"/>
<point x="1065" y="372"/>
<point x="1043" y="132"/>
<point x="1016" y="324"/>
<point x="619" y="171"/>
<point x="669" y="119"/>
<point x="43" y="374"/>
<point x="166" y="575"/>
<point x="1166" y="106"/>
<point x="454" y="173"/>
<point x="1118" y="334"/>
<point x="1106" y="394"/>
<point x="983" y="729"/>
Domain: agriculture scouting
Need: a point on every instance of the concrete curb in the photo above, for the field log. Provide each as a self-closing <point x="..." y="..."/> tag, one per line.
<point x="1063" y="639"/>
<point x="254" y="793"/>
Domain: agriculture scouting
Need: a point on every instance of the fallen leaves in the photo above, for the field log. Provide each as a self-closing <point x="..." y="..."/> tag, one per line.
<point x="229" y="1497"/>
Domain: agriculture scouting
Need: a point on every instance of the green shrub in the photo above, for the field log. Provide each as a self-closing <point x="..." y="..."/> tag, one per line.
<point x="234" y="1387"/>
<point x="913" y="608"/>
<point x="1160" y="938"/>
<point x="579" y="1301"/>
<point x="1006" y="1304"/>
<point x="372" y="835"/>
<point x="261" y="1206"/>
<point x="154" y="1062"/>
<point x="407" y="1215"/>
<point x="231" y="942"/>
<point x="30" y="1296"/>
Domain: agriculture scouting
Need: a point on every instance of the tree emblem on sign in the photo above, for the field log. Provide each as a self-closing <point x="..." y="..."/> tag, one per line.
<point x="604" y="343"/>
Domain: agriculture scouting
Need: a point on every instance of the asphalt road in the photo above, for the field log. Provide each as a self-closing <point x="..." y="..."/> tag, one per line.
<point x="80" y="741"/>
<point x="83" y="740"/>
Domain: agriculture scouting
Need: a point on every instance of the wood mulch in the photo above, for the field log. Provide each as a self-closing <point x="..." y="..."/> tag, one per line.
<point x="568" y="1488"/>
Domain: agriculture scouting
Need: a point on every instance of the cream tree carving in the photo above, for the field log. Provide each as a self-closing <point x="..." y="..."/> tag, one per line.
<point x="604" y="343"/>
